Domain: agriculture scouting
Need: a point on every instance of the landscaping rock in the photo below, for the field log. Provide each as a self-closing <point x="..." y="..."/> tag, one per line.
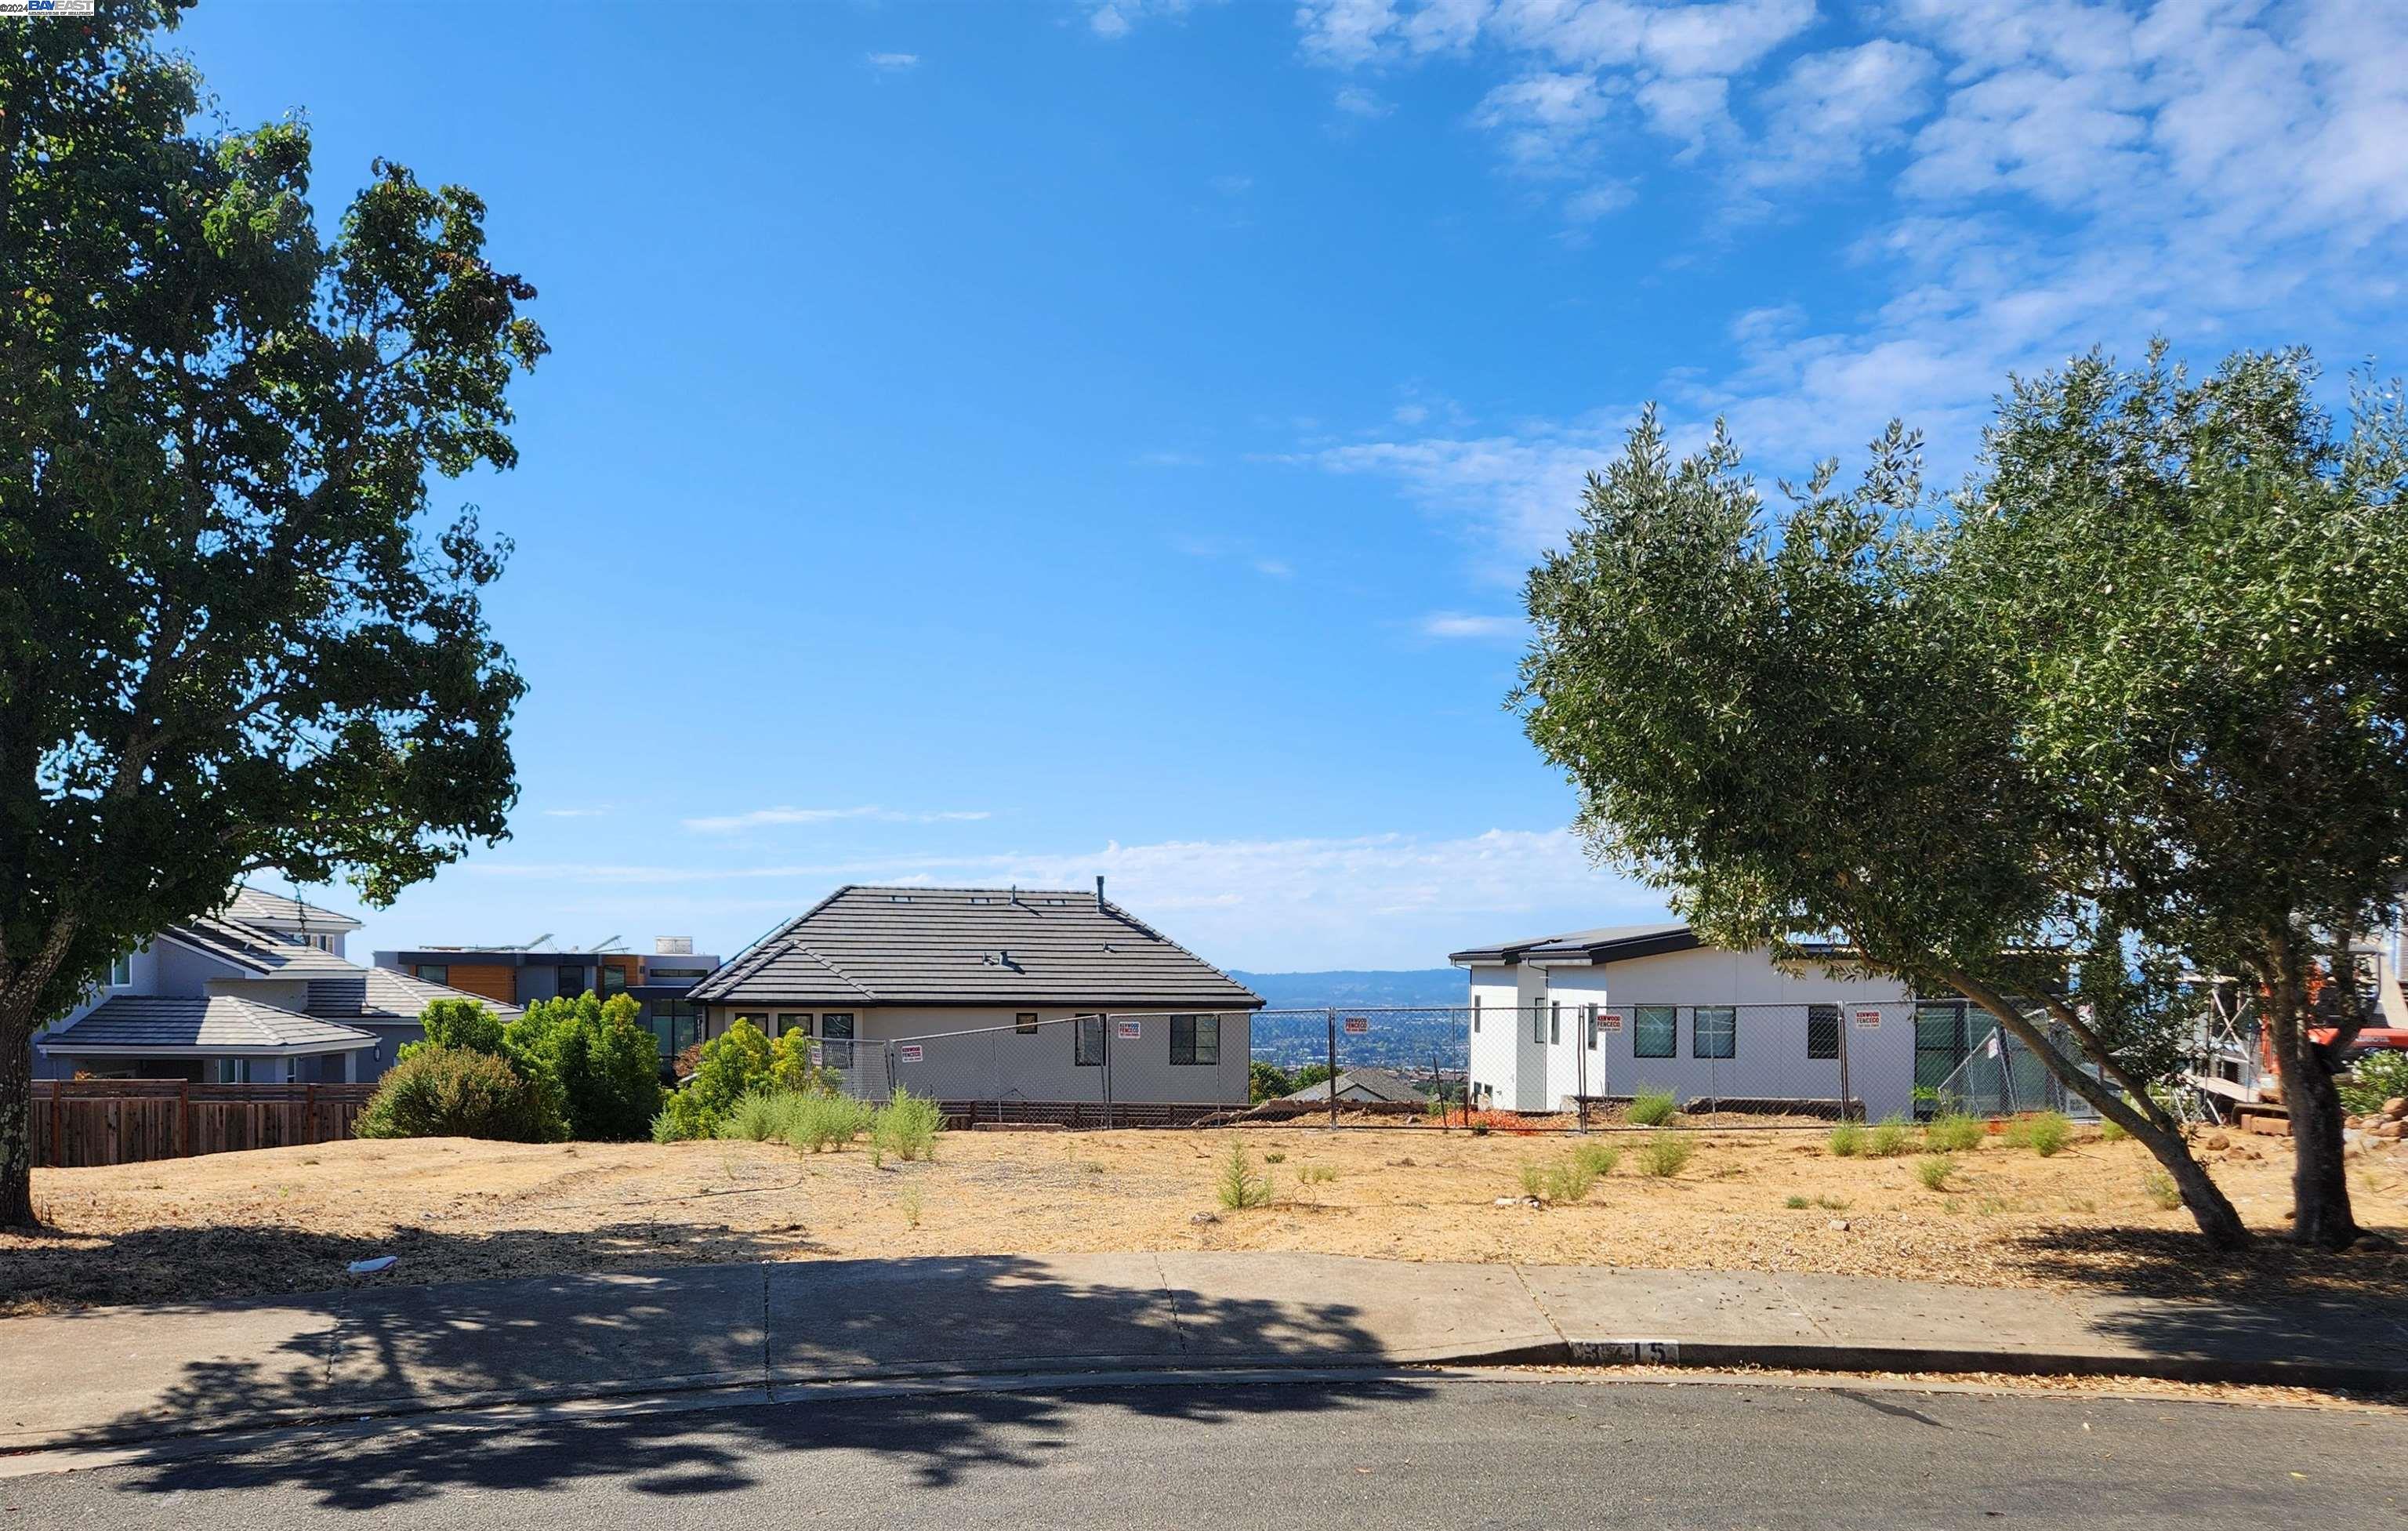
<point x="1839" y="1225"/>
<point x="1204" y="1217"/>
<point x="2217" y="1142"/>
<point x="2396" y="1107"/>
<point x="2390" y="1129"/>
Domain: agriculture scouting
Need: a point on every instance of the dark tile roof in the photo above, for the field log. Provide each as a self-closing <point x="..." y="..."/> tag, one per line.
<point x="219" y="1023"/>
<point x="1379" y="1084"/>
<point x="278" y="912"/>
<point x="970" y="946"/>
<point x="1607" y="943"/>
<point x="254" y="950"/>
<point x="381" y="995"/>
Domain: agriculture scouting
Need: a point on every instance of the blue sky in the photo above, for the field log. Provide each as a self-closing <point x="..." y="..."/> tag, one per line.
<point x="1025" y="441"/>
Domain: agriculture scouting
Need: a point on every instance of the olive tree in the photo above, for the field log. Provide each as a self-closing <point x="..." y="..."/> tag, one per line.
<point x="1788" y="724"/>
<point x="2199" y="587"/>
<point x="228" y="641"/>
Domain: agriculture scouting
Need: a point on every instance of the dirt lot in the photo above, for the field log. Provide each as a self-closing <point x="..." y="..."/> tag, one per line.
<point x="291" y="1219"/>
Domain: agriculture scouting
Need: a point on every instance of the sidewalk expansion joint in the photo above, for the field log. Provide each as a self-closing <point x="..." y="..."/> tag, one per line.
<point x="1170" y="1295"/>
<point x="1552" y="1326"/>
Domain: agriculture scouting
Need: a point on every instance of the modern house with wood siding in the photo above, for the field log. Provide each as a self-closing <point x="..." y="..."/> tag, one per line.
<point x="521" y="975"/>
<point x="993" y="995"/>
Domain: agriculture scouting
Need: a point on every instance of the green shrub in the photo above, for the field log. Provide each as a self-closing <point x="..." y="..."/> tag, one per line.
<point x="2046" y="1133"/>
<point x="1275" y="1157"/>
<point x="907" y="1127"/>
<point x="1887" y="1139"/>
<point x="909" y="1202"/>
<point x="761" y="1116"/>
<point x="2109" y="1131"/>
<point x="1240" y="1186"/>
<point x="825" y="1121"/>
<point x="1666" y="1154"/>
<point x="1315" y="1174"/>
<point x="2160" y="1187"/>
<point x="1653" y="1105"/>
<point x="1568" y="1179"/>
<point x="2375" y="1078"/>
<point x="1534" y="1180"/>
<point x="442" y="1092"/>
<point x="1266" y="1081"/>
<point x="464" y="1025"/>
<point x="1847" y="1139"/>
<point x="1950" y="1133"/>
<point x="1796" y="1204"/>
<point x="1933" y="1171"/>
<point x="604" y="1063"/>
<point x="1598" y="1159"/>
<point x="731" y="1065"/>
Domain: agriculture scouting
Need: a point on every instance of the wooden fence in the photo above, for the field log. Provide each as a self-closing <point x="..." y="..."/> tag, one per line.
<point x="121" y="1122"/>
<point x="1078" y="1113"/>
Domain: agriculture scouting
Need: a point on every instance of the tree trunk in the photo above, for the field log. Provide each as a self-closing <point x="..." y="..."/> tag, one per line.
<point x="15" y="1124"/>
<point x="2209" y="1207"/>
<point x="2320" y="1209"/>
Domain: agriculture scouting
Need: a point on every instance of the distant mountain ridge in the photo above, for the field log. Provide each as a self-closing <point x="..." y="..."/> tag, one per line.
<point x="1359" y="986"/>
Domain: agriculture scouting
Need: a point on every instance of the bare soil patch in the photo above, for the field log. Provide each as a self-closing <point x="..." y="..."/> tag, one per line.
<point x="288" y="1220"/>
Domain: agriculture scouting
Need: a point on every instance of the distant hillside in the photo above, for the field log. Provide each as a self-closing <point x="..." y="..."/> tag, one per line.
<point x="1351" y="986"/>
<point x="1398" y="1041"/>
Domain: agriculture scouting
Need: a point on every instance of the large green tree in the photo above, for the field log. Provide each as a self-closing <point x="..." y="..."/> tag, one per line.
<point x="228" y="639"/>
<point x="1789" y="725"/>
<point x="2197" y="588"/>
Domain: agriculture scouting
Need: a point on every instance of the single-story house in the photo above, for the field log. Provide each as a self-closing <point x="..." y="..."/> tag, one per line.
<point x="1377" y="1086"/>
<point x="992" y="994"/>
<point x="222" y="1000"/>
<point x="1606" y="1013"/>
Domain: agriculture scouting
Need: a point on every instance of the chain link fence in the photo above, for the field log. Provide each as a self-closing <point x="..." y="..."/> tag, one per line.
<point x="1560" y="1064"/>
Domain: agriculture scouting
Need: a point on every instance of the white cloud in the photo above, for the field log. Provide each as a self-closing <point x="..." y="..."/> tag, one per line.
<point x="1233" y="185"/>
<point x="1548" y="119"/>
<point x="762" y="818"/>
<point x="1357" y="101"/>
<point x="1832" y="110"/>
<point x="1115" y="18"/>
<point x="894" y="62"/>
<point x="1373" y="900"/>
<point x="1457" y="625"/>
<point x="1109" y="21"/>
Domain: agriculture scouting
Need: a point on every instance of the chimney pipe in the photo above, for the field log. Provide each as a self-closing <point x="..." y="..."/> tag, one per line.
<point x="1099" y="890"/>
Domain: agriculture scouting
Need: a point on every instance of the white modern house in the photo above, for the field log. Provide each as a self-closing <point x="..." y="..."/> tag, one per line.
<point x="1604" y="1013"/>
<point x="258" y="993"/>
<point x="1036" y="997"/>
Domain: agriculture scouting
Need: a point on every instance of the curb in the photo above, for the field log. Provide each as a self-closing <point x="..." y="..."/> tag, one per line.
<point x="1701" y="1355"/>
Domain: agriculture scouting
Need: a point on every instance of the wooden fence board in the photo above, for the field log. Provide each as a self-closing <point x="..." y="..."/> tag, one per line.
<point x="84" y="1122"/>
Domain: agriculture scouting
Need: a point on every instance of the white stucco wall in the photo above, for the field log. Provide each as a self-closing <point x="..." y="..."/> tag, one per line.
<point x="1770" y="1052"/>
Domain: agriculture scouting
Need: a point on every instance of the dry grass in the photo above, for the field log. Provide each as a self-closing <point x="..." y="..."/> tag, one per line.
<point x="287" y="1220"/>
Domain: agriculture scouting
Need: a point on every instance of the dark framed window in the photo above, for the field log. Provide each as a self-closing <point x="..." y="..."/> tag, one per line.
<point x="572" y="979"/>
<point x="836" y="1038"/>
<point x="1024" y="1023"/>
<point x="1654" y="1031"/>
<point x="120" y="972"/>
<point x="613" y="977"/>
<point x="1087" y="1042"/>
<point x="1195" y="1039"/>
<point x="1594" y="1031"/>
<point x="1714" y="1032"/>
<point x="432" y="972"/>
<point x="1554" y="1022"/>
<point x="1475" y="1012"/>
<point x="793" y="1021"/>
<point x="1538" y="1023"/>
<point x="1822" y="1030"/>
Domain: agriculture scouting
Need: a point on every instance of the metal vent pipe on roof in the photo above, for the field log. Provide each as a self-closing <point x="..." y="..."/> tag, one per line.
<point x="1099" y="890"/>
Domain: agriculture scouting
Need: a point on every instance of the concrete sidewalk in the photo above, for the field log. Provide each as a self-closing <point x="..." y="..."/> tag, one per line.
<point x="131" y="1373"/>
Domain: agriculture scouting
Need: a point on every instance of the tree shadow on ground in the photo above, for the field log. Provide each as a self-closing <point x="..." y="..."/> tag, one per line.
<point x="62" y="1271"/>
<point x="750" y="1326"/>
<point x="2271" y="1303"/>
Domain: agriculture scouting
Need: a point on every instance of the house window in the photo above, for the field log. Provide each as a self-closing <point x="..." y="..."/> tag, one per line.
<point x="1195" y="1039"/>
<point x="1822" y="1030"/>
<point x="757" y="1020"/>
<point x="1654" y="1031"/>
<point x="1475" y="1012"/>
<point x="836" y="1038"/>
<point x="1087" y="1042"/>
<point x="1024" y="1023"/>
<point x="614" y="978"/>
<point x="1714" y="1032"/>
<point x="1592" y="1028"/>
<point x="790" y="1021"/>
<point x="1554" y="1022"/>
<point x="120" y="972"/>
<point x="1539" y="1023"/>
<point x="572" y="979"/>
<point x="432" y="972"/>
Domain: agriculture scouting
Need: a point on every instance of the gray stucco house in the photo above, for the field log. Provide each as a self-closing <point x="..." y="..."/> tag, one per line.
<point x="975" y="994"/>
<point x="258" y="993"/>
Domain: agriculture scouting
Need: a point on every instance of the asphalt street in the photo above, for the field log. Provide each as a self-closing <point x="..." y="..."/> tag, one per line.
<point x="1337" y="1452"/>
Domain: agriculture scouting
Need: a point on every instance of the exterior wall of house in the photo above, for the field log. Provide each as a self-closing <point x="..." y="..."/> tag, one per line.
<point x="493" y="980"/>
<point x="1498" y="1038"/>
<point x="1551" y="1062"/>
<point x="972" y="1053"/>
